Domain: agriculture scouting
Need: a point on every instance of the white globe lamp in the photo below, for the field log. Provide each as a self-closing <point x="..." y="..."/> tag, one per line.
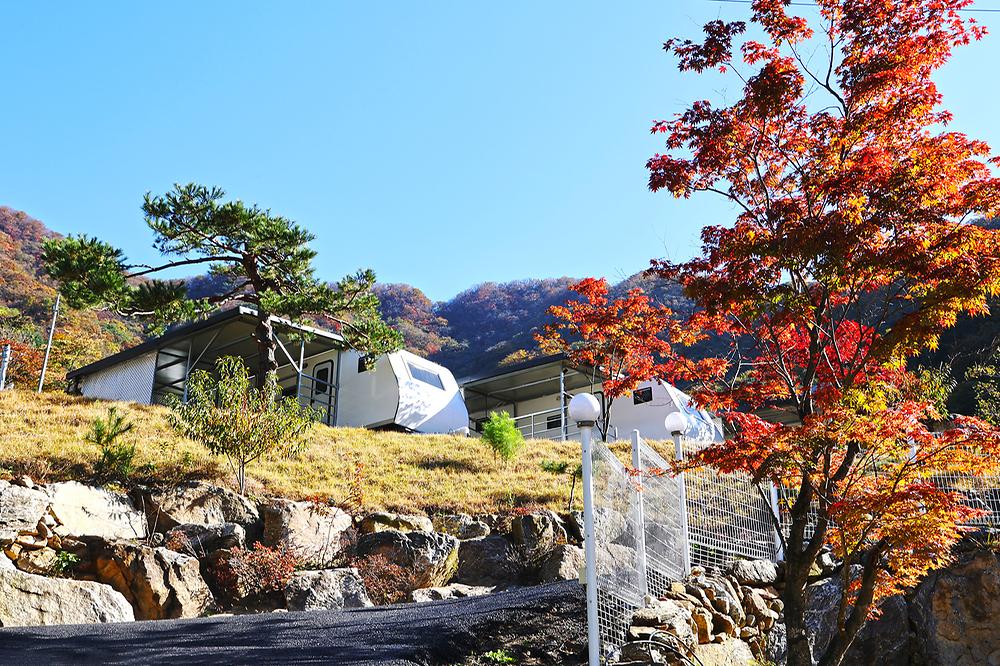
<point x="676" y="422"/>
<point x="584" y="409"/>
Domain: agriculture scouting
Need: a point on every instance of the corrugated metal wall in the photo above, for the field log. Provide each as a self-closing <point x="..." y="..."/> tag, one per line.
<point x="129" y="381"/>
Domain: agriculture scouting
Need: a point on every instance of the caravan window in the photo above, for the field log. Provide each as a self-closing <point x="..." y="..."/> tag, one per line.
<point x="365" y="363"/>
<point x="426" y="376"/>
<point x="642" y="396"/>
<point x="322" y="383"/>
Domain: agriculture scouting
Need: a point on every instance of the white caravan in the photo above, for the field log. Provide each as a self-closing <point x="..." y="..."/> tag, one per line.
<point x="396" y="391"/>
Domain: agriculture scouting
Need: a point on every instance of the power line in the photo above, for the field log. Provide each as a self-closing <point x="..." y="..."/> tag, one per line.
<point x="811" y="4"/>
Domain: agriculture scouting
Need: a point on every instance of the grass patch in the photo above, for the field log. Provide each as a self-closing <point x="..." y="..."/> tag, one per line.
<point x="43" y="436"/>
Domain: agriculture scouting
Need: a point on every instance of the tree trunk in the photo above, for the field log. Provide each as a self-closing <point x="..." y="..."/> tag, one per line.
<point x="267" y="348"/>
<point x="794" y="598"/>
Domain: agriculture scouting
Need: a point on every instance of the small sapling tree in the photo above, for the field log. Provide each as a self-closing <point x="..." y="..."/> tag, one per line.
<point x="239" y="421"/>
<point x="561" y="467"/>
<point x="117" y="460"/>
<point x="503" y="436"/>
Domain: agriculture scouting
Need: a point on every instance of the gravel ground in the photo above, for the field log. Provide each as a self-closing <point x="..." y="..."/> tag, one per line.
<point x="536" y="625"/>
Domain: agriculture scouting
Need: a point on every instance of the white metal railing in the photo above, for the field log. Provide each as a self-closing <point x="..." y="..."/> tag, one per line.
<point x="545" y="424"/>
<point x="307" y="393"/>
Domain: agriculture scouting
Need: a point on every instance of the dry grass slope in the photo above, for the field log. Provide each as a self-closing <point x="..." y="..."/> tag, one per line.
<point x="43" y="436"/>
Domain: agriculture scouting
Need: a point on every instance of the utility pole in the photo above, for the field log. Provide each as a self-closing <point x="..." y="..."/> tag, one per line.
<point x="48" y="345"/>
<point x="4" y="362"/>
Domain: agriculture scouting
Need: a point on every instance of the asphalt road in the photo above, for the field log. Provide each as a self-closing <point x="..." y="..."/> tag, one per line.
<point x="548" y="621"/>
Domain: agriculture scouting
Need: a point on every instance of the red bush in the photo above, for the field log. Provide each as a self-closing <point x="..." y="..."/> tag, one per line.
<point x="244" y="573"/>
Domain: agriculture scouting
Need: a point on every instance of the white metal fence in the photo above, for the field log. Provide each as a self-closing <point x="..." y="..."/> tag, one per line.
<point x="650" y="530"/>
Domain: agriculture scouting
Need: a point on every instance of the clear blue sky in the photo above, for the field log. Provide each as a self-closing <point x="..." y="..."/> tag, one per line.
<point x="442" y="144"/>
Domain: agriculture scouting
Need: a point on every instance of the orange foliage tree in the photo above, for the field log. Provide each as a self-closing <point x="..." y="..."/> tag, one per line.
<point x="850" y="253"/>
<point x="625" y="340"/>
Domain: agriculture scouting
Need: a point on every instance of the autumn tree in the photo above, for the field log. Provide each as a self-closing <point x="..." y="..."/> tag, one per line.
<point x="625" y="341"/>
<point x="851" y="252"/>
<point x="263" y="259"/>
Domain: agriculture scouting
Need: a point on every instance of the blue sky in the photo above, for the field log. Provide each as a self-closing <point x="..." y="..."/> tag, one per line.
<point x="442" y="144"/>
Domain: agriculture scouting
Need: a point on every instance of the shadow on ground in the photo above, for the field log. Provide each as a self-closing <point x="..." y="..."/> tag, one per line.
<point x="538" y="625"/>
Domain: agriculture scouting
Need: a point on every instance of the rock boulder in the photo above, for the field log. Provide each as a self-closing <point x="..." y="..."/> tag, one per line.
<point x="538" y="533"/>
<point x="489" y="561"/>
<point x="955" y="612"/>
<point x="755" y="573"/>
<point x="195" y="539"/>
<point x="432" y="557"/>
<point x="381" y="521"/>
<point x="461" y="525"/>
<point x="314" y="533"/>
<point x="83" y="510"/>
<point x="20" y="510"/>
<point x="159" y="583"/>
<point x="200" y="503"/>
<point x="563" y="563"/>
<point x="30" y="600"/>
<point x="453" y="591"/>
<point x="329" y="589"/>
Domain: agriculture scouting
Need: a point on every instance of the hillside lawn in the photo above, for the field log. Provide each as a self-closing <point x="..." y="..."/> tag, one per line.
<point x="43" y="436"/>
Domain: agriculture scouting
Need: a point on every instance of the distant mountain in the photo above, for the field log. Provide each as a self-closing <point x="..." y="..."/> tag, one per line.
<point x="471" y="333"/>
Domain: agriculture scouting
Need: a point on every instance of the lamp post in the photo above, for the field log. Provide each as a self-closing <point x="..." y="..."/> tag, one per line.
<point x="676" y="424"/>
<point x="584" y="410"/>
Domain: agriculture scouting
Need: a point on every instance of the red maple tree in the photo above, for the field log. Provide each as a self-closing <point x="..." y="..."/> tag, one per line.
<point x="851" y="251"/>
<point x="624" y="340"/>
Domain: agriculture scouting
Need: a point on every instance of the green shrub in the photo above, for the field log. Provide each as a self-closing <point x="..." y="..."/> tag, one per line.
<point x="65" y="563"/>
<point x="117" y="459"/>
<point x="555" y="466"/>
<point x="501" y="433"/>
<point x="498" y="657"/>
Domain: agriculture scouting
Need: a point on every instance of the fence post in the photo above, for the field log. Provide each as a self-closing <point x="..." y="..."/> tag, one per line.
<point x="640" y="519"/>
<point x="682" y="492"/>
<point x="585" y="410"/>
<point x="779" y="552"/>
<point x="4" y="362"/>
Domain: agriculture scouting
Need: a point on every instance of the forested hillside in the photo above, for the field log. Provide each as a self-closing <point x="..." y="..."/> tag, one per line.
<point x="26" y="300"/>
<point x="478" y="330"/>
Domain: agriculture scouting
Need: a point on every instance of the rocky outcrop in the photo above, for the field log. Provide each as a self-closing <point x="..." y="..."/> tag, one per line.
<point x="195" y="539"/>
<point x="563" y="563"/>
<point x="329" y="589"/>
<point x="538" y="533"/>
<point x="159" y="583"/>
<point x="314" y="533"/>
<point x="29" y="600"/>
<point x="20" y="510"/>
<point x="202" y="504"/>
<point x="710" y="615"/>
<point x="461" y="526"/>
<point x="453" y="591"/>
<point x="432" y="557"/>
<point x="83" y="510"/>
<point x="955" y="612"/>
<point x="489" y="561"/>
<point x="381" y="521"/>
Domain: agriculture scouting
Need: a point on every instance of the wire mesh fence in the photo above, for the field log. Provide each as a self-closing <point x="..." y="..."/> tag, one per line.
<point x="651" y="529"/>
